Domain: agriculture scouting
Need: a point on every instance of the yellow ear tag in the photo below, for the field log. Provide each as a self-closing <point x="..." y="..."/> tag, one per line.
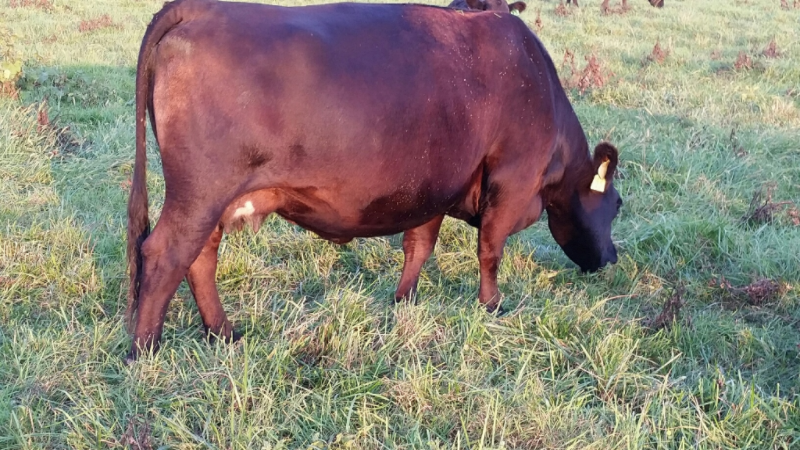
<point x="599" y="181"/>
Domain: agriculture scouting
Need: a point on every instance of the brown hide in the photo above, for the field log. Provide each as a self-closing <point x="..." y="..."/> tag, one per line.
<point x="351" y="120"/>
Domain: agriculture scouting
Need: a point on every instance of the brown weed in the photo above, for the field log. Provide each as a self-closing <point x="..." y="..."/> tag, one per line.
<point x="98" y="23"/>
<point x="670" y="313"/>
<point x="538" y="22"/>
<point x="46" y="5"/>
<point x="762" y="209"/>
<point x="771" y="50"/>
<point x="743" y="61"/>
<point x="657" y="55"/>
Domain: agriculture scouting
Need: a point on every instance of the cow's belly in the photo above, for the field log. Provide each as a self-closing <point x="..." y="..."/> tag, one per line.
<point x="341" y="217"/>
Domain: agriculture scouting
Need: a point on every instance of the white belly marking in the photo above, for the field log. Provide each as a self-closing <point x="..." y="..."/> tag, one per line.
<point x="245" y="210"/>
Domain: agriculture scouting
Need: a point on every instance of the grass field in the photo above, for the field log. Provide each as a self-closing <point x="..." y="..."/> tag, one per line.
<point x="581" y="361"/>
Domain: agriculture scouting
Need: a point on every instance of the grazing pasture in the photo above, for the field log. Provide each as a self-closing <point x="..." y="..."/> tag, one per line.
<point x="692" y="340"/>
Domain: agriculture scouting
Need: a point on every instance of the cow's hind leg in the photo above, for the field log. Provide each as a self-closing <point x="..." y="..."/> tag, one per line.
<point x="167" y="254"/>
<point x="418" y="244"/>
<point x="202" y="282"/>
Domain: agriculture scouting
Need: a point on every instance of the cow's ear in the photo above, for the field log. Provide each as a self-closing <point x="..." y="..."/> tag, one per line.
<point x="605" y="163"/>
<point x="478" y="5"/>
<point x="517" y="6"/>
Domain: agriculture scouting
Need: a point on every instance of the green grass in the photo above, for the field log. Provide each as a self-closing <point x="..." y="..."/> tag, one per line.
<point x="329" y="362"/>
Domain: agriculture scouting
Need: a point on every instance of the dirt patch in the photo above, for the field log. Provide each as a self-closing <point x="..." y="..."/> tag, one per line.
<point x="670" y="313"/>
<point x="757" y="293"/>
<point x="46" y="5"/>
<point x="99" y="23"/>
<point x="743" y="61"/>
<point x="716" y="55"/>
<point x="771" y="50"/>
<point x="762" y="209"/>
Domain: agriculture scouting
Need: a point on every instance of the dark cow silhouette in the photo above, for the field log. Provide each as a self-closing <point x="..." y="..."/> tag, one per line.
<point x="488" y="5"/>
<point x="352" y="120"/>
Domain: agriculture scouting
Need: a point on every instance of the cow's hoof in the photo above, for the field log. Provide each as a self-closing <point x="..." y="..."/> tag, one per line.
<point x="230" y="339"/>
<point x="410" y="299"/>
<point x="236" y="336"/>
<point x="496" y="310"/>
<point x="130" y="358"/>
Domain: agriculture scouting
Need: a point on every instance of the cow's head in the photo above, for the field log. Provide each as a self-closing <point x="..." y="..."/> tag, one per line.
<point x="489" y="5"/>
<point x="580" y="220"/>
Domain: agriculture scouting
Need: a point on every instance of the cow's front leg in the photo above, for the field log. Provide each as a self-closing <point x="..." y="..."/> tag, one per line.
<point x="202" y="282"/>
<point x="505" y="217"/>
<point x="490" y="252"/>
<point x="418" y="244"/>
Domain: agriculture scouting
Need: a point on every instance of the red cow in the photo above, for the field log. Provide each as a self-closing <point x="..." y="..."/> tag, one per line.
<point x="352" y="120"/>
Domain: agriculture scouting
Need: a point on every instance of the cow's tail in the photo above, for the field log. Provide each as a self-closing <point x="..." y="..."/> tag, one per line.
<point x="170" y="15"/>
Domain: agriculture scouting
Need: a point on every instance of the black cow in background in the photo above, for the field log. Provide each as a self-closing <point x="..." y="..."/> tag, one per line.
<point x="488" y="5"/>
